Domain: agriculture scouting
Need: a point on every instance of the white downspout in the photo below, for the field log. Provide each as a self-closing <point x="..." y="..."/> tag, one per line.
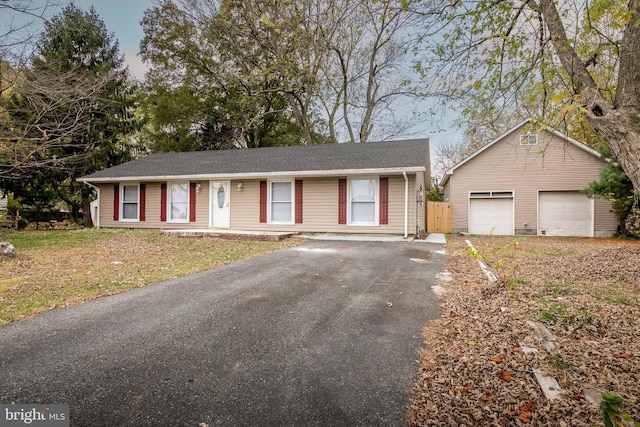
<point x="98" y="199"/>
<point x="406" y="205"/>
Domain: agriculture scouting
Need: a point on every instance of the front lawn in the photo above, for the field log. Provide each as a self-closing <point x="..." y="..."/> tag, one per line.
<point x="63" y="267"/>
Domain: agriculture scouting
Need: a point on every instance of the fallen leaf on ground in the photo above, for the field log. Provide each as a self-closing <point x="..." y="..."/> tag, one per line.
<point x="585" y="273"/>
<point x="505" y="376"/>
<point x="496" y="359"/>
<point x="625" y="355"/>
<point x="487" y="399"/>
<point x="525" y="411"/>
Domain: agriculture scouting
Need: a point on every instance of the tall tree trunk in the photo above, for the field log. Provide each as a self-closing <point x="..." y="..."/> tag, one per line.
<point x="300" y="113"/>
<point x="86" y="207"/>
<point x="618" y="122"/>
<point x="372" y="93"/>
<point x="620" y="128"/>
<point x="344" y="94"/>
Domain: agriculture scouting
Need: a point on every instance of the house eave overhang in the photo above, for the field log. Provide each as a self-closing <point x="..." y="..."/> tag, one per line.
<point x="257" y="175"/>
<point x="445" y="178"/>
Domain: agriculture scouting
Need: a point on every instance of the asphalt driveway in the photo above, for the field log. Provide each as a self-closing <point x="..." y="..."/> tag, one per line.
<point x="326" y="333"/>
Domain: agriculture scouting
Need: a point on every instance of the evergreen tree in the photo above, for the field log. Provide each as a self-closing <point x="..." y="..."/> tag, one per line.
<point x="77" y="43"/>
<point x="614" y="186"/>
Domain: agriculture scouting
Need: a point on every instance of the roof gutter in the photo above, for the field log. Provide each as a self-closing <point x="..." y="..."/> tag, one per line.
<point x="406" y="204"/>
<point x="256" y="175"/>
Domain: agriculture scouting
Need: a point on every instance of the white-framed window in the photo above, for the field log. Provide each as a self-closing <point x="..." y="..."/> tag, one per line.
<point x="281" y="202"/>
<point x="130" y="202"/>
<point x="529" y="139"/>
<point x="363" y="201"/>
<point x="491" y="194"/>
<point x="178" y="203"/>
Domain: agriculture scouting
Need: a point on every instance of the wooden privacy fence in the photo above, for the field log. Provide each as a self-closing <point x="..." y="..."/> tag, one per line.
<point x="438" y="217"/>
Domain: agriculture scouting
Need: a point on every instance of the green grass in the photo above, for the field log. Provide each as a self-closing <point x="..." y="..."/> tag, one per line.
<point x="619" y="299"/>
<point x="62" y="267"/>
<point x="561" y="288"/>
<point x="597" y="291"/>
<point x="556" y="361"/>
<point x="30" y="239"/>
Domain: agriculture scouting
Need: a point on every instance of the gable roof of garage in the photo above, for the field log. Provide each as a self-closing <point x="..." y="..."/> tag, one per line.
<point x="326" y="159"/>
<point x="553" y="131"/>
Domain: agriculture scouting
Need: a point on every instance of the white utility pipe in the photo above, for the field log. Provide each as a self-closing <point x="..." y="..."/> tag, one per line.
<point x="406" y="205"/>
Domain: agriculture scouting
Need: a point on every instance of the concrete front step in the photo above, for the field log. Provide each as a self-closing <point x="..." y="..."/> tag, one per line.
<point x="265" y="236"/>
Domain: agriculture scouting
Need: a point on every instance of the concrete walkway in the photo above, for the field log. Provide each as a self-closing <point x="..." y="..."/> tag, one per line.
<point x="278" y="235"/>
<point x="436" y="238"/>
<point x="275" y="236"/>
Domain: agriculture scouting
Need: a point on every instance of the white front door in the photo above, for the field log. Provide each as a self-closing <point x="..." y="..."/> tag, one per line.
<point x="219" y="197"/>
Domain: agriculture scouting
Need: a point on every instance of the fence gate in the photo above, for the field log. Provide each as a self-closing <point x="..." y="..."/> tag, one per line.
<point x="438" y="217"/>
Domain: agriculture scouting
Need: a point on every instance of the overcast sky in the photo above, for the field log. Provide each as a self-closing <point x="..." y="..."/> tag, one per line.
<point x="122" y="18"/>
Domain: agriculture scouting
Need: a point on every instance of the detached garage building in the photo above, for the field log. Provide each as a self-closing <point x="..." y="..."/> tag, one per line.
<point x="527" y="182"/>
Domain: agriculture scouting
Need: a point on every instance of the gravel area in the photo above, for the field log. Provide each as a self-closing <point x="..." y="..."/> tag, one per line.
<point x="475" y="371"/>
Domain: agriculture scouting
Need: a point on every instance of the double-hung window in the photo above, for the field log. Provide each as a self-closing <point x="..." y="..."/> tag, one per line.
<point x="364" y="201"/>
<point x="281" y="202"/>
<point x="178" y="205"/>
<point x="130" y="202"/>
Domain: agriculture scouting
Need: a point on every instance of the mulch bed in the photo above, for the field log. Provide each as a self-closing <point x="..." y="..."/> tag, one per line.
<point x="585" y="291"/>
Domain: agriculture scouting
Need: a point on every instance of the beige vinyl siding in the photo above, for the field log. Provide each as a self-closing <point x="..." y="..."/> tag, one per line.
<point x="550" y="165"/>
<point x="105" y="209"/>
<point x="320" y="208"/>
<point x="447" y="192"/>
<point x="152" y="202"/>
<point x="202" y="206"/>
<point x="606" y="223"/>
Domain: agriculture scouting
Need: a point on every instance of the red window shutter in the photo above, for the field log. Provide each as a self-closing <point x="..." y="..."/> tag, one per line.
<point x="116" y="202"/>
<point x="263" y="201"/>
<point x="298" y="201"/>
<point x="143" y="201"/>
<point x="163" y="202"/>
<point x="384" y="200"/>
<point x="192" y="202"/>
<point x="342" y="201"/>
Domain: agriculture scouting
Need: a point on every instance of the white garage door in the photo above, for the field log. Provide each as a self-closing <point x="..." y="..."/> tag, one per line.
<point x="564" y="213"/>
<point x="491" y="216"/>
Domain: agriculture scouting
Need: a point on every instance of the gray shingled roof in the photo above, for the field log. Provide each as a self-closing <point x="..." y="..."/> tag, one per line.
<point x="313" y="158"/>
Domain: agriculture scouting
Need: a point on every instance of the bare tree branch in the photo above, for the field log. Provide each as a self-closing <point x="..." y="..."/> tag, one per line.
<point x="48" y="115"/>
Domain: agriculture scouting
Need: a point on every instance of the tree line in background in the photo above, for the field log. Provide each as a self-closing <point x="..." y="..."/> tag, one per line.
<point x="234" y="74"/>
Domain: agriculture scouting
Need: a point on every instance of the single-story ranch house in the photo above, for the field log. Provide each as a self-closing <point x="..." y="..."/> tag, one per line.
<point x="526" y="182"/>
<point x="373" y="187"/>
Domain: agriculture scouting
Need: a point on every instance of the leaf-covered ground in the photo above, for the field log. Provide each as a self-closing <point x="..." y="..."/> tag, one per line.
<point x="585" y="291"/>
<point x="63" y="267"/>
